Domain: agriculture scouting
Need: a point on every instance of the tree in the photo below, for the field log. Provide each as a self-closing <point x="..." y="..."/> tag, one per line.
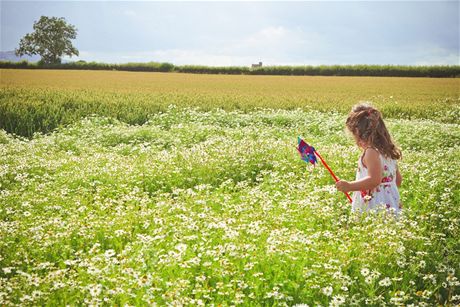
<point x="50" y="39"/>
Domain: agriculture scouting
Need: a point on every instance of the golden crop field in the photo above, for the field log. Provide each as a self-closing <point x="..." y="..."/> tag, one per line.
<point x="312" y="88"/>
<point x="41" y="100"/>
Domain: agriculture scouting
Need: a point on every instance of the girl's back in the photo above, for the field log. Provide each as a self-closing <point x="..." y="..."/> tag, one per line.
<point x="385" y="195"/>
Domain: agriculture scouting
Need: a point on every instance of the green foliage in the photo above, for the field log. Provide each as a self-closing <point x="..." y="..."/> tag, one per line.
<point x="51" y="39"/>
<point x="435" y="71"/>
<point x="83" y="65"/>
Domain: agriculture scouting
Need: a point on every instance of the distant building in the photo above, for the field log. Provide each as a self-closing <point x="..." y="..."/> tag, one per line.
<point x="257" y="65"/>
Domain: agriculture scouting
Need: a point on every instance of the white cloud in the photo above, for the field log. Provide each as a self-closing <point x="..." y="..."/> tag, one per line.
<point x="268" y="34"/>
<point x="279" y="45"/>
<point x="199" y="57"/>
<point x="282" y="37"/>
<point x="130" y="13"/>
<point x="436" y="56"/>
<point x="175" y="56"/>
<point x="274" y="45"/>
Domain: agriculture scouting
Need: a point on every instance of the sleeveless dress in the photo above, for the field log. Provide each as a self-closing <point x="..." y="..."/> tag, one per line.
<point x="385" y="195"/>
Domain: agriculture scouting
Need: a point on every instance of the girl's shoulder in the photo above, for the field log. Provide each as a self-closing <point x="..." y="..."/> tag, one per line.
<point x="370" y="153"/>
<point x="371" y="149"/>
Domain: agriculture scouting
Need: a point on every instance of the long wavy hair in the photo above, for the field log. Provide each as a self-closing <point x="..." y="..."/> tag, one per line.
<point x="366" y="124"/>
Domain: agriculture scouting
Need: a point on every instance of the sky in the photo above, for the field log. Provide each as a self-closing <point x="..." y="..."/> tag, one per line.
<point x="240" y="33"/>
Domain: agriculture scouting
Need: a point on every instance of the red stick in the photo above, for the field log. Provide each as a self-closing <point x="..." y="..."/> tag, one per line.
<point x="331" y="172"/>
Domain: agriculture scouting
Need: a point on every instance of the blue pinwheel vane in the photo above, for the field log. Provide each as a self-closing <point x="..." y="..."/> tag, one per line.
<point x="308" y="154"/>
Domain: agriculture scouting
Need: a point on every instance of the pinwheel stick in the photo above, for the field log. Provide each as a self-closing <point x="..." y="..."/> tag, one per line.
<point x="331" y="172"/>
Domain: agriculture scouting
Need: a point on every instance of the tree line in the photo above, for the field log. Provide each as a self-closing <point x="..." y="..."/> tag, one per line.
<point x="438" y="71"/>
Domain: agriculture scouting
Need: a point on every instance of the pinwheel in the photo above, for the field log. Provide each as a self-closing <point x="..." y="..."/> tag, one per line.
<point x="308" y="153"/>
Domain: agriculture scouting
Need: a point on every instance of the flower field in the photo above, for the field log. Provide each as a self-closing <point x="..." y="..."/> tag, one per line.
<point x="200" y="202"/>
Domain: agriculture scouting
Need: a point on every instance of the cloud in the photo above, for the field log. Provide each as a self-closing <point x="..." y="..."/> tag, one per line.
<point x="275" y="45"/>
<point x="200" y="57"/>
<point x="130" y="13"/>
<point x="253" y="50"/>
<point x="279" y="43"/>
<point x="436" y="56"/>
<point x="274" y="33"/>
<point x="175" y="56"/>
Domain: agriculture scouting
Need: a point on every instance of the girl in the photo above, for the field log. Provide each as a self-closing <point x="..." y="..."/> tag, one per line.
<point x="378" y="176"/>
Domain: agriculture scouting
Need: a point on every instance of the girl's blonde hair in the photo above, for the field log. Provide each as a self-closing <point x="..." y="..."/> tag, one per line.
<point x="366" y="124"/>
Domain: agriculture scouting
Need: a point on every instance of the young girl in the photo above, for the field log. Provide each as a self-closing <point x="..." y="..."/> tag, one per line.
<point x="378" y="176"/>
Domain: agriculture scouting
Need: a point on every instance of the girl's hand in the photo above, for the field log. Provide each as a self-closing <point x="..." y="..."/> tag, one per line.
<point x="343" y="186"/>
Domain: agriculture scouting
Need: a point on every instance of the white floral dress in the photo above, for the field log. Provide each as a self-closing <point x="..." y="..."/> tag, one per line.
<point x="385" y="195"/>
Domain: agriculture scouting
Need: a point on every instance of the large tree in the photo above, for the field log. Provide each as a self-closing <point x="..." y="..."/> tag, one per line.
<point x="50" y="39"/>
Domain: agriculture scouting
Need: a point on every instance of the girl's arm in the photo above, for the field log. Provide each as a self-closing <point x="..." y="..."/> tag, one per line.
<point x="374" y="174"/>
<point x="398" y="177"/>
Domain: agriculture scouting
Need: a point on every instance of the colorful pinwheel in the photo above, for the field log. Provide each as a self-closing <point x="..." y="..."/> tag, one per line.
<point x="308" y="153"/>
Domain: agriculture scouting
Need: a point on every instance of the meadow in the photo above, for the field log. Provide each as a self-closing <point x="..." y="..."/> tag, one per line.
<point x="144" y="189"/>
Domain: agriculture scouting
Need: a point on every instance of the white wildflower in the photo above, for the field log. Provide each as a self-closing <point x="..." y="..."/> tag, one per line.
<point x="385" y="282"/>
<point x="337" y="300"/>
<point x="365" y="271"/>
<point x="95" y="290"/>
<point x="181" y="247"/>
<point x="109" y="253"/>
<point x="327" y="290"/>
